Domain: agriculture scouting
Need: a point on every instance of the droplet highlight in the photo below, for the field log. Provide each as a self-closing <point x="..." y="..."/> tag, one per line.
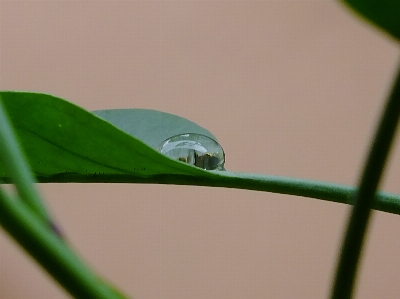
<point x="194" y="149"/>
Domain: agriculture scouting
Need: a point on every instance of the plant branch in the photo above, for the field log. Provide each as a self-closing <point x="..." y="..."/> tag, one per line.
<point x="50" y="251"/>
<point x="15" y="163"/>
<point x="364" y="197"/>
<point x="386" y="202"/>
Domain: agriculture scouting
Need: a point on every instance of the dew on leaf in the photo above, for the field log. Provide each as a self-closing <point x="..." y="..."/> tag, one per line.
<point x="194" y="149"/>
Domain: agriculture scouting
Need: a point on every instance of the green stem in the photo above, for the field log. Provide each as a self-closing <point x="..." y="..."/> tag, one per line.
<point x="364" y="198"/>
<point x="15" y="163"/>
<point x="50" y="251"/>
<point x="386" y="202"/>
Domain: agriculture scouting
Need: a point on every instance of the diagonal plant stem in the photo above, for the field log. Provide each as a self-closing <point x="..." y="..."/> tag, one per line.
<point x="51" y="252"/>
<point x="364" y="197"/>
<point x="15" y="163"/>
<point x="27" y="221"/>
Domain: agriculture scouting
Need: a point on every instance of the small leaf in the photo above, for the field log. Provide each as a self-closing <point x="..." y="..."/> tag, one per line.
<point x="150" y="126"/>
<point x="385" y="14"/>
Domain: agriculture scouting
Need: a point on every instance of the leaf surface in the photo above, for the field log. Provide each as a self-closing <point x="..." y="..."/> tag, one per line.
<point x="66" y="143"/>
<point x="151" y="126"/>
<point x="61" y="138"/>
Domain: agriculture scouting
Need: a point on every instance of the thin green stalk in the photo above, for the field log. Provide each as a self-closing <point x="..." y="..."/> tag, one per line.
<point x="16" y="166"/>
<point x="51" y="252"/>
<point x="364" y="198"/>
<point x="386" y="202"/>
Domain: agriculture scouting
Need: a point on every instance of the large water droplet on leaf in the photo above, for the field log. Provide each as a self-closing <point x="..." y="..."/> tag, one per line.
<point x="194" y="149"/>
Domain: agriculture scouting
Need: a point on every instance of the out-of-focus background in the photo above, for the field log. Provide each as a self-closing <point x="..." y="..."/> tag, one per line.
<point x="289" y="88"/>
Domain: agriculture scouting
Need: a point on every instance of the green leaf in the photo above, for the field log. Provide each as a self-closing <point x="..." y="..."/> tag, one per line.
<point x="385" y="14"/>
<point x="59" y="137"/>
<point x="151" y="126"/>
<point x="12" y="159"/>
<point x="65" y="143"/>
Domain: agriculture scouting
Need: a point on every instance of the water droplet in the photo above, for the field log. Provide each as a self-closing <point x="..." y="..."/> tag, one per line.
<point x="195" y="149"/>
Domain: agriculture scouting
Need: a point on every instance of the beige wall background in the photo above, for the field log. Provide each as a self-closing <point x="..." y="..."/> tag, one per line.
<point x="289" y="88"/>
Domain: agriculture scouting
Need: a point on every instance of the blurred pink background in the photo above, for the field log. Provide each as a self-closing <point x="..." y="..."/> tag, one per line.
<point x="289" y="88"/>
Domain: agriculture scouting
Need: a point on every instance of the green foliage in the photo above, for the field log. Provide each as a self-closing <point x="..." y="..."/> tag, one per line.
<point x="53" y="254"/>
<point x="59" y="137"/>
<point x="384" y="14"/>
<point x="65" y="143"/>
<point x="25" y="218"/>
<point x="150" y="126"/>
<point x="364" y="197"/>
<point x="11" y="158"/>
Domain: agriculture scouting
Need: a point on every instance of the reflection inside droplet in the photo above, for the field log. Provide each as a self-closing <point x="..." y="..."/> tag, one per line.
<point x="195" y="149"/>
